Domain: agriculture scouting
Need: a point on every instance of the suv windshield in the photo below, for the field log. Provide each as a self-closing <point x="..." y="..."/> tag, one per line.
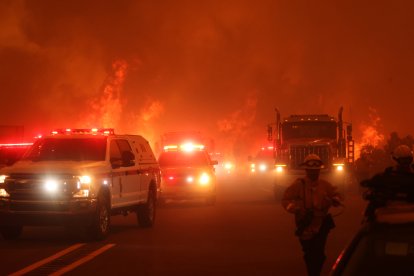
<point x="9" y="155"/>
<point x="178" y="158"/>
<point x="70" y="149"/>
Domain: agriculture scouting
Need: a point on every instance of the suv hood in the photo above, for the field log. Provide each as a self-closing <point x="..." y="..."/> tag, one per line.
<point x="60" y="167"/>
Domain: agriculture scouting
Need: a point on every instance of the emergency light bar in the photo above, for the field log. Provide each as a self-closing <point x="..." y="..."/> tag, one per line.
<point x="184" y="147"/>
<point x="105" y="131"/>
<point x="15" y="145"/>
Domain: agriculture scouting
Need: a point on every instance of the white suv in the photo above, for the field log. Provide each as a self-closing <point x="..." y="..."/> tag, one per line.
<point x="80" y="177"/>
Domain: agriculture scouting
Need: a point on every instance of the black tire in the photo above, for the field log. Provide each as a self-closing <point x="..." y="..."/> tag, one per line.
<point x="146" y="212"/>
<point x="101" y="222"/>
<point x="11" y="232"/>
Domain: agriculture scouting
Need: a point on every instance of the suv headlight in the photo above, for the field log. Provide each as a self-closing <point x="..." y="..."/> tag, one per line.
<point x="4" y="193"/>
<point x="51" y="185"/>
<point x="3" y="178"/>
<point x="204" y="179"/>
<point x="83" y="186"/>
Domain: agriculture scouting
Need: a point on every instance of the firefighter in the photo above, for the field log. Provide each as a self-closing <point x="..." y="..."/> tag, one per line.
<point x="309" y="199"/>
<point x="403" y="156"/>
<point x="395" y="183"/>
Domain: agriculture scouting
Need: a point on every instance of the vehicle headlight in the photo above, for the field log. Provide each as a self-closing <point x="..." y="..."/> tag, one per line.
<point x="263" y="167"/>
<point x="51" y="185"/>
<point x="83" y="186"/>
<point x="228" y="165"/>
<point x="85" y="179"/>
<point x="279" y="169"/>
<point x="2" y="178"/>
<point x="4" y="193"/>
<point x="204" y="179"/>
<point x="339" y="167"/>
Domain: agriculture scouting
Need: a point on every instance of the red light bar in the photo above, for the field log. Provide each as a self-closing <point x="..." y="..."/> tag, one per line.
<point x="16" y="145"/>
<point x="105" y="131"/>
<point x="184" y="147"/>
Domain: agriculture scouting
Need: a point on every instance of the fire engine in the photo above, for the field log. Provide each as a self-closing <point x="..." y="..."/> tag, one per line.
<point x="187" y="170"/>
<point x="296" y="136"/>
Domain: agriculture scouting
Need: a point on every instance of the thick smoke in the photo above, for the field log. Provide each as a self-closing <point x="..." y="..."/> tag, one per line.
<point x="192" y="64"/>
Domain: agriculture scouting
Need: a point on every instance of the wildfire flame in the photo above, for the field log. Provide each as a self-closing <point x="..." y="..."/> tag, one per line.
<point x="145" y="119"/>
<point x="106" y="110"/>
<point x="370" y="132"/>
<point x="235" y="127"/>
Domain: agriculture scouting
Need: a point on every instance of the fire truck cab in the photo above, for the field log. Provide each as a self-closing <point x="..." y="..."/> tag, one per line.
<point x="297" y="136"/>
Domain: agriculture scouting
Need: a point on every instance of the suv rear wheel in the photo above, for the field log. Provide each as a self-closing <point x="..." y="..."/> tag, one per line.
<point x="146" y="212"/>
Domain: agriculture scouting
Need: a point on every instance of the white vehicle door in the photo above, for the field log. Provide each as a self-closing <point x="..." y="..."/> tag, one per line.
<point x="146" y="162"/>
<point x="130" y="175"/>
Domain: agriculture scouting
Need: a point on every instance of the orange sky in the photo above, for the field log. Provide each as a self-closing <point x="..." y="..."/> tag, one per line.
<point x="220" y="67"/>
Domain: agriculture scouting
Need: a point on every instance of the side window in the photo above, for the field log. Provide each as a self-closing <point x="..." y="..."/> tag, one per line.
<point x="124" y="145"/>
<point x="115" y="153"/>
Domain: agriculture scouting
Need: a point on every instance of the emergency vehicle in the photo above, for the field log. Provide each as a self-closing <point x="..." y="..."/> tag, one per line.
<point x="296" y="136"/>
<point x="187" y="173"/>
<point x="263" y="162"/>
<point x="80" y="177"/>
<point x="385" y="243"/>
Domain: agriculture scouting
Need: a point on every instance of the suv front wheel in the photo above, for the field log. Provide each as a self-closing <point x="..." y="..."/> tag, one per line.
<point x="101" y="221"/>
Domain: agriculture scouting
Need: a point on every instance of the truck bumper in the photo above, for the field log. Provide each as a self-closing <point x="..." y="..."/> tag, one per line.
<point x="38" y="213"/>
<point x="179" y="193"/>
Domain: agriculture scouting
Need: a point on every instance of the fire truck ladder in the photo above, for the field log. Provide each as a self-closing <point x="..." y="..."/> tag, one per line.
<point x="351" y="150"/>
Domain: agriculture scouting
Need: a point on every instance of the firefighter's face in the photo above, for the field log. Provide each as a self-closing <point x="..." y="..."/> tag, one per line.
<point x="312" y="174"/>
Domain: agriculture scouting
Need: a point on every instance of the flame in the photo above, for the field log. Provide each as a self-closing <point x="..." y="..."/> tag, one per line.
<point x="235" y="127"/>
<point x="145" y="119"/>
<point x="238" y="121"/>
<point x="106" y="110"/>
<point x="370" y="132"/>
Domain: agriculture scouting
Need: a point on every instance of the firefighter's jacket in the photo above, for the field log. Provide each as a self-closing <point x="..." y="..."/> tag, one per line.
<point x="304" y="195"/>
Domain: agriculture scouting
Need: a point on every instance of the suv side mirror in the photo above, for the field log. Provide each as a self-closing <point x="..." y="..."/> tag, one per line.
<point x="116" y="163"/>
<point x="128" y="159"/>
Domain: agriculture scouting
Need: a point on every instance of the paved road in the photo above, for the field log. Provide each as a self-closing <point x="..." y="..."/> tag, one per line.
<point x="245" y="233"/>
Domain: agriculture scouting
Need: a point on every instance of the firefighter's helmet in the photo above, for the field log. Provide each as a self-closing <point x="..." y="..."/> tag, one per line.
<point x="312" y="162"/>
<point x="403" y="154"/>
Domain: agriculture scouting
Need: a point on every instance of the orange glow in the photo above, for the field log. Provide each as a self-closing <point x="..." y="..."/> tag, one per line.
<point x="371" y="134"/>
<point x="106" y="110"/>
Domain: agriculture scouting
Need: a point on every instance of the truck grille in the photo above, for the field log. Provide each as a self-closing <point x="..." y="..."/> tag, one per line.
<point x="32" y="187"/>
<point x="298" y="154"/>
